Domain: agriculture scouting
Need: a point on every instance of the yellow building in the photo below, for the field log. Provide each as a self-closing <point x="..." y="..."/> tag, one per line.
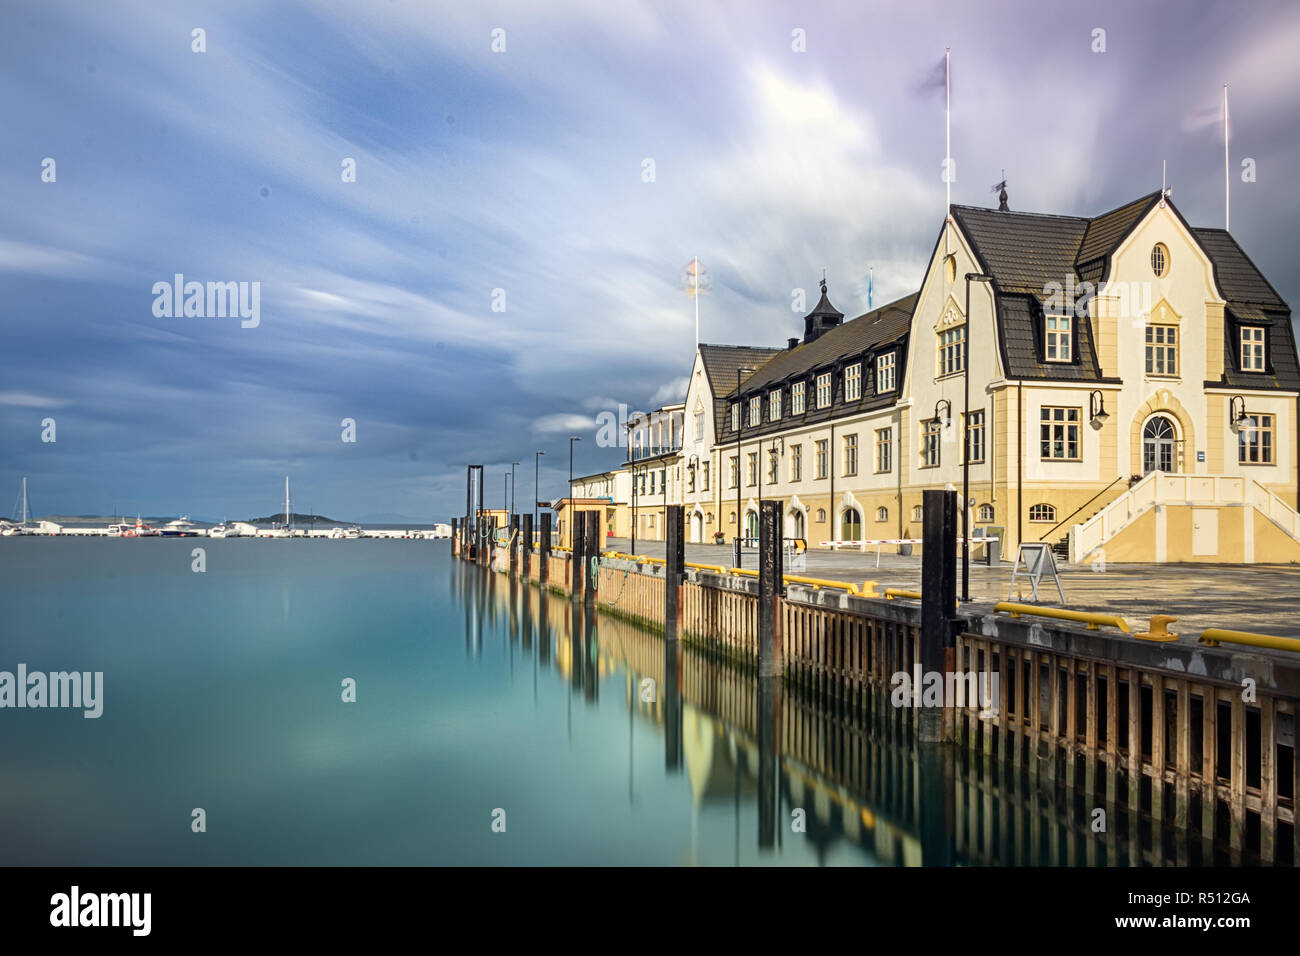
<point x="1133" y="387"/>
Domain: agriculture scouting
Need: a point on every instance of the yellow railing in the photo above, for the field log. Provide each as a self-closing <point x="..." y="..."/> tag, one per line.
<point x="1090" y="618"/>
<point x="892" y="593"/>
<point x="1217" y="635"/>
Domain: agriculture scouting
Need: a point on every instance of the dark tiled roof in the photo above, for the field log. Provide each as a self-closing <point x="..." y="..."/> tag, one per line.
<point x="721" y="363"/>
<point x="885" y="324"/>
<point x="1023" y="251"/>
<point x="1022" y="325"/>
<point x="1109" y="229"/>
<point x="1251" y="301"/>
<point x="1239" y="281"/>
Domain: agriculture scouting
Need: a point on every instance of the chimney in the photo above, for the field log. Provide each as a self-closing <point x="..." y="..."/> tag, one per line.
<point x="792" y="344"/>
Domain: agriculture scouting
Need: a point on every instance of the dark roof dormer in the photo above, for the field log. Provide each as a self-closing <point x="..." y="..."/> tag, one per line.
<point x="822" y="318"/>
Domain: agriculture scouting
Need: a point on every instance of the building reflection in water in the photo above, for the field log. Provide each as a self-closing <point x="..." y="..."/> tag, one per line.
<point x="867" y="792"/>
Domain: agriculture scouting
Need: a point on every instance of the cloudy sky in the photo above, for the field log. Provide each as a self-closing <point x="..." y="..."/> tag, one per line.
<point x="524" y="171"/>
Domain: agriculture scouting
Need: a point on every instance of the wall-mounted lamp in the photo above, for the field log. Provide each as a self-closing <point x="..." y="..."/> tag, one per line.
<point x="946" y="417"/>
<point x="1097" y="408"/>
<point x="1236" y="412"/>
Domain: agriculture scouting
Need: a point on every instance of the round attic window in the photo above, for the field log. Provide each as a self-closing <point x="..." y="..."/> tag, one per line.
<point x="1159" y="259"/>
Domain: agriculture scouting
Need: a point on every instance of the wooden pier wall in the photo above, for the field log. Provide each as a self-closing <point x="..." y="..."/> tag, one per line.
<point x="1160" y="731"/>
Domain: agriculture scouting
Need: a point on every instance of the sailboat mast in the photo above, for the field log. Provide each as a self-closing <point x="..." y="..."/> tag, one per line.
<point x="286" y="502"/>
<point x="25" y="510"/>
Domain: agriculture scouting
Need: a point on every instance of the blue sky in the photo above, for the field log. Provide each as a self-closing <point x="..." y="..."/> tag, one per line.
<point x="522" y="171"/>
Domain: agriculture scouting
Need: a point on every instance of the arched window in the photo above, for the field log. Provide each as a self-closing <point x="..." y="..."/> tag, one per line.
<point x="794" y="524"/>
<point x="1042" y="513"/>
<point x="851" y="525"/>
<point x="821" y="515"/>
<point x="918" y="513"/>
<point x="882" y="514"/>
<point x="986" y="513"/>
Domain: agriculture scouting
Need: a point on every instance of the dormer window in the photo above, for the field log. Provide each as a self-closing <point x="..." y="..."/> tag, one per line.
<point x="755" y="410"/>
<point x="735" y="416"/>
<point x="774" y="405"/>
<point x="1058" y="340"/>
<point x="797" y="397"/>
<point x="824" y="390"/>
<point x="853" y="382"/>
<point x="1252" y="348"/>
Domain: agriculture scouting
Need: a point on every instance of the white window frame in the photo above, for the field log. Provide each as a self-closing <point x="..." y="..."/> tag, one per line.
<point x="824" y="390"/>
<point x="796" y="462"/>
<point x="952" y="350"/>
<point x="1159" y="347"/>
<point x="735" y="416"/>
<point x="755" y="411"/>
<point x="1252" y="346"/>
<point x="884" y="450"/>
<point x="885" y="373"/>
<point x="853" y="382"/>
<point x="797" y="391"/>
<point x="1058" y="338"/>
<point x="1069" y="427"/>
<point x="774" y="405"/>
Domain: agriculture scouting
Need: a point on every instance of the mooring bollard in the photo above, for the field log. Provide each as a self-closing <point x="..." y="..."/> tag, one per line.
<point x="770" y="588"/>
<point x="544" y="552"/>
<point x="674" y="569"/>
<point x="938" y="603"/>
<point x="455" y="537"/>
<point x="577" y="542"/>
<point x="528" y="547"/>
<point x="591" y="549"/>
<point x="514" y="546"/>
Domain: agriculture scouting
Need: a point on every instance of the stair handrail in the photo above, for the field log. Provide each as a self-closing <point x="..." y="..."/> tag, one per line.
<point x="1043" y="537"/>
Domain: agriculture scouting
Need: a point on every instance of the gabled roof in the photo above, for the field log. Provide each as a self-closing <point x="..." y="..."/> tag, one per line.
<point x="1239" y="280"/>
<point x="878" y="327"/>
<point x="1107" y="231"/>
<point x="1023" y="251"/>
<point x="721" y="362"/>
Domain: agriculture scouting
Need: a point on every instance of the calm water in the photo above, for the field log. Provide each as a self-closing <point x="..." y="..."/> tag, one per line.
<point x="222" y="690"/>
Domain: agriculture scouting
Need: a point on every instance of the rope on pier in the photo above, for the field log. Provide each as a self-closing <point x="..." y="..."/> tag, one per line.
<point x="595" y="564"/>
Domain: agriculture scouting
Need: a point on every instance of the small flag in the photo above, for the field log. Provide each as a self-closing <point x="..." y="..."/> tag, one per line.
<point x="935" y="81"/>
<point x="696" y="279"/>
<point x="870" y="276"/>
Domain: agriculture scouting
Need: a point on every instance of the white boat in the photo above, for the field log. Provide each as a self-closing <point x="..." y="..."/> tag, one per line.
<point x="182" y="527"/>
<point x="225" y="530"/>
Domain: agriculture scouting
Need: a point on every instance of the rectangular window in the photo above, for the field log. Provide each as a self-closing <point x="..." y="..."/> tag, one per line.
<point x="735" y="470"/>
<point x="797" y="398"/>
<point x="1252" y="348"/>
<point x="796" y="462"/>
<point x="824" y="390"/>
<point x="850" y="455"/>
<point x="755" y="410"/>
<point x="1058" y="343"/>
<point x="885" y="373"/>
<point x="952" y="350"/>
<point x="975" y="437"/>
<point x="772" y="463"/>
<point x="706" y="477"/>
<point x="774" y="406"/>
<point x="652" y="482"/>
<point x="735" y="416"/>
<point x="1162" y="350"/>
<point x="1255" y="440"/>
<point x="699" y="426"/>
<point x="821" y="458"/>
<point x="1059" y="433"/>
<point x="751" y="468"/>
<point x="853" y="382"/>
<point x="930" y="432"/>
<point x="884" y="450"/>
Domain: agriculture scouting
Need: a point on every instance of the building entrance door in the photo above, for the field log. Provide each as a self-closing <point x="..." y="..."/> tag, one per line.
<point x="1158" y="442"/>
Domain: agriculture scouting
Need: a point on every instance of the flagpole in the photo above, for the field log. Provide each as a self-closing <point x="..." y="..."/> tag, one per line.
<point x="697" y="303"/>
<point x="947" y="143"/>
<point x="1227" y="178"/>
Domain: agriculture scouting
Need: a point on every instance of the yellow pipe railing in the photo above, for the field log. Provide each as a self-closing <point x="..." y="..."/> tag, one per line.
<point x="1217" y="635"/>
<point x="892" y="593"/>
<point x="1092" y="619"/>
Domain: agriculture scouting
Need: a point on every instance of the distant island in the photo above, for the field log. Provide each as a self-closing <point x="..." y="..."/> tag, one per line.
<point x="296" y="518"/>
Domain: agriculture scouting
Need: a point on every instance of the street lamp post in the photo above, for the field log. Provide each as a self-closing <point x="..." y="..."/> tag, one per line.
<point x="965" y="445"/>
<point x="740" y="427"/>
<point x="537" y="467"/>
<point x="505" y="492"/>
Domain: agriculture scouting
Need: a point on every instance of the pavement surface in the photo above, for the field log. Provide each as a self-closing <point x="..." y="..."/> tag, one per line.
<point x="1261" y="598"/>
